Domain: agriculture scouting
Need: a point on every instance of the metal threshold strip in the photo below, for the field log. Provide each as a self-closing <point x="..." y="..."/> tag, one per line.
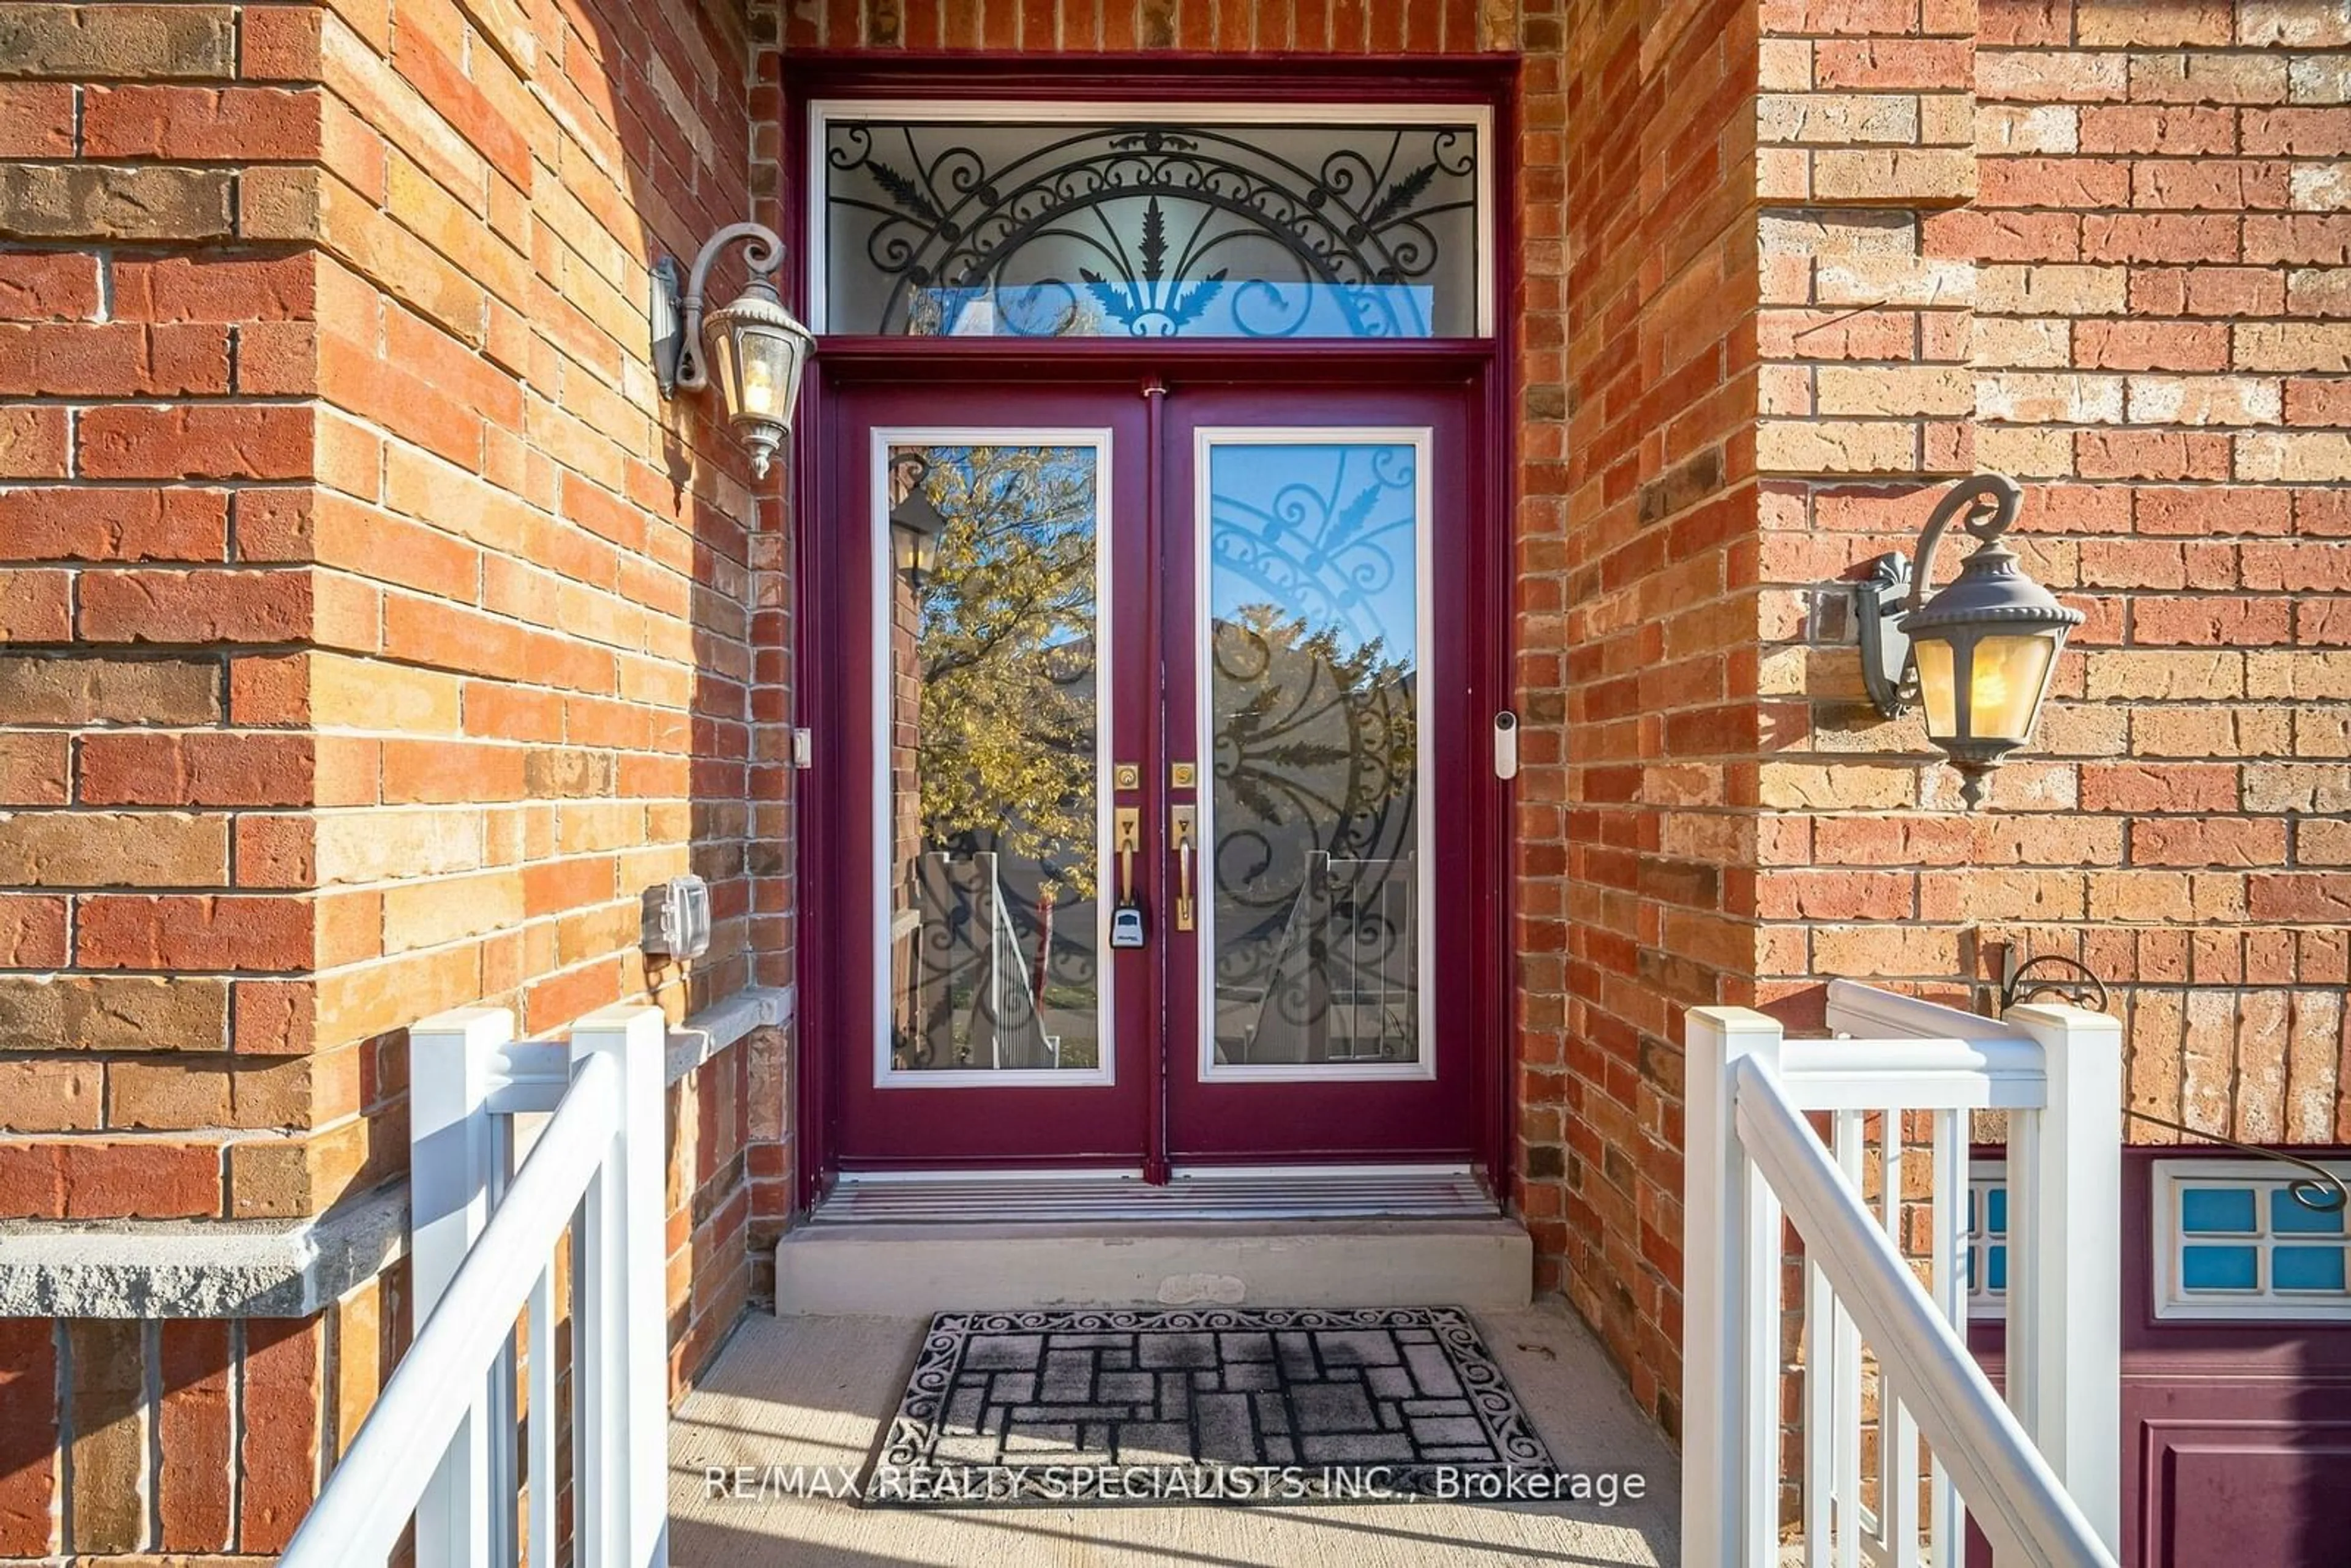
<point x="1298" y="1192"/>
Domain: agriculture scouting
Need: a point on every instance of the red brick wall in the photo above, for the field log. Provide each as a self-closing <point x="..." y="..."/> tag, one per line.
<point x="373" y="632"/>
<point x="2127" y="294"/>
<point x="2099" y="247"/>
<point x="377" y="635"/>
<point x="183" y="1438"/>
<point x="1636" y="656"/>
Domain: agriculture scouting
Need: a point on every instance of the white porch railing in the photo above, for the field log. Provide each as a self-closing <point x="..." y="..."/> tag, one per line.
<point x="2042" y="1473"/>
<point x="440" y="1443"/>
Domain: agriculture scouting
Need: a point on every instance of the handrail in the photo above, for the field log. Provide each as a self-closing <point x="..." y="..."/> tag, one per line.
<point x="2010" y="1487"/>
<point x="447" y="1442"/>
<point x="1995" y="1074"/>
<point x="366" y="1501"/>
<point x="1898" y="1106"/>
<point x="1854" y="1007"/>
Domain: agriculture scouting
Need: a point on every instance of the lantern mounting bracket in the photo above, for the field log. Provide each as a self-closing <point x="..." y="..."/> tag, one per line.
<point x="1986" y="506"/>
<point x="1879" y="600"/>
<point x="676" y="315"/>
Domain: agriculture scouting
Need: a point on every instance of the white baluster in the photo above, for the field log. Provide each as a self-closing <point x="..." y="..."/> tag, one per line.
<point x="2064" y="1307"/>
<point x="542" y="1421"/>
<point x="1845" y="1355"/>
<point x="1730" y="1362"/>
<point x="1898" y="1432"/>
<point x="621" y="1470"/>
<point x="1945" y="1520"/>
<point x="452" y="1145"/>
<point x="1820" y="1417"/>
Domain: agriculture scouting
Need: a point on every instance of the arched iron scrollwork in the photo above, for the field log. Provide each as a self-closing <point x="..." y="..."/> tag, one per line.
<point x="1152" y="231"/>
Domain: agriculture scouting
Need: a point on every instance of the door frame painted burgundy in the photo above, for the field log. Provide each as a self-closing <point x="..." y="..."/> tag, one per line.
<point x="829" y="999"/>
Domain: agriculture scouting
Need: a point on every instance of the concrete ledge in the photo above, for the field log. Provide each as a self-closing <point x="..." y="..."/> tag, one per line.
<point x="722" y="1023"/>
<point x="911" y="1270"/>
<point x="199" y="1268"/>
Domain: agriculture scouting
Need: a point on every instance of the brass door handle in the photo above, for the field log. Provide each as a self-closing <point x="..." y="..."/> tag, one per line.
<point x="1126" y="838"/>
<point x="1183" y="825"/>
<point x="1127" y="927"/>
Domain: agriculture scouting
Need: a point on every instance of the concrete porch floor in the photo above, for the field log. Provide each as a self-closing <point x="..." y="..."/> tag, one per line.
<point x="814" y="1391"/>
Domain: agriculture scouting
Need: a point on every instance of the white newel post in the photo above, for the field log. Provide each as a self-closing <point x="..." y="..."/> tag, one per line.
<point x="452" y="1145"/>
<point x="1731" y="1307"/>
<point x="622" y="1306"/>
<point x="2064" y="1309"/>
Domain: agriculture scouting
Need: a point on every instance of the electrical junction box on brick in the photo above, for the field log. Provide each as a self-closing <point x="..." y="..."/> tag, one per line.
<point x="677" y="918"/>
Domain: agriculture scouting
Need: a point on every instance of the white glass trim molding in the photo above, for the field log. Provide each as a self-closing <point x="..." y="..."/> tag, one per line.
<point x="1427" y="678"/>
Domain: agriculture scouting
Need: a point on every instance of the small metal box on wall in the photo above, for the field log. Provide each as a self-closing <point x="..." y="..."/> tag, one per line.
<point x="677" y="919"/>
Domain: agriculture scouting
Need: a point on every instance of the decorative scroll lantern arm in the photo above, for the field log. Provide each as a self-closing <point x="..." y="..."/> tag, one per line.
<point x="1894" y="586"/>
<point x="677" y="317"/>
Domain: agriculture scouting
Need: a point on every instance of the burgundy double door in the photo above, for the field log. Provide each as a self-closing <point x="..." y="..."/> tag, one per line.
<point x="1156" y="768"/>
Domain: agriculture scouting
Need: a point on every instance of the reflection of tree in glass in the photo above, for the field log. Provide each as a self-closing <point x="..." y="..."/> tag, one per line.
<point x="1310" y="731"/>
<point x="1006" y="643"/>
<point x="1314" y="771"/>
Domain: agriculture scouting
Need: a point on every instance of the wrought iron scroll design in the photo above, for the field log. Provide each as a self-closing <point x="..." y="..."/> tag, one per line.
<point x="1165" y="217"/>
<point x="2318" y="1190"/>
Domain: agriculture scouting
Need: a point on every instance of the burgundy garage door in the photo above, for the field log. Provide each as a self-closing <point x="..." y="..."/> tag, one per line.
<point x="2236" y="1369"/>
<point x="2236" y="1399"/>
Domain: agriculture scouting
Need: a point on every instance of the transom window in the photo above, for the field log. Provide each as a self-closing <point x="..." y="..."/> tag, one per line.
<point x="1151" y="221"/>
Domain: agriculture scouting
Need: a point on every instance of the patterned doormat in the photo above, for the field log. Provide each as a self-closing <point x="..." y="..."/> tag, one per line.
<point x="1223" y="1405"/>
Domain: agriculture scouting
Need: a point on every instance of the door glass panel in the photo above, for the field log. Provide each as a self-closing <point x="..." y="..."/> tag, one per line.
<point x="1314" y="659"/>
<point x="996" y="719"/>
<point x="1338" y="228"/>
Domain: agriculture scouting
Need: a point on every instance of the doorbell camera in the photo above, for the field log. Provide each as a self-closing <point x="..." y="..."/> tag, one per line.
<point x="1506" y="745"/>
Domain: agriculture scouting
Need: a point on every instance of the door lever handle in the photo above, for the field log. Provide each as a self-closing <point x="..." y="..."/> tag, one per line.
<point x="1181" y="825"/>
<point x="1127" y="927"/>
<point x="1126" y="839"/>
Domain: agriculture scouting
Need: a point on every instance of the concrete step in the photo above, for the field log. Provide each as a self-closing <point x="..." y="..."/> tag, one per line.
<point x="914" y="1270"/>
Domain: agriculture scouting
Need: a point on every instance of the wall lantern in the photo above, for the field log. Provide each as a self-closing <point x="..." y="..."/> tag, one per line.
<point x="758" y="346"/>
<point x="1979" y="654"/>
<point x="915" y="524"/>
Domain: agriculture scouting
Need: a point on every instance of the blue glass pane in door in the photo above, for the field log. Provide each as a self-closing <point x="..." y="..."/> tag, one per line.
<point x="1313" y="668"/>
<point x="2218" y="1268"/>
<point x="2290" y="1217"/>
<point x="2216" y="1210"/>
<point x="2307" y="1269"/>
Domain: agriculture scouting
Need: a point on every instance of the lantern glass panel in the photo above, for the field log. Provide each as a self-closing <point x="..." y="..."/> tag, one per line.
<point x="729" y="370"/>
<point x="768" y="380"/>
<point x="1937" y="686"/>
<point x="2005" y="681"/>
<point x="917" y="551"/>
